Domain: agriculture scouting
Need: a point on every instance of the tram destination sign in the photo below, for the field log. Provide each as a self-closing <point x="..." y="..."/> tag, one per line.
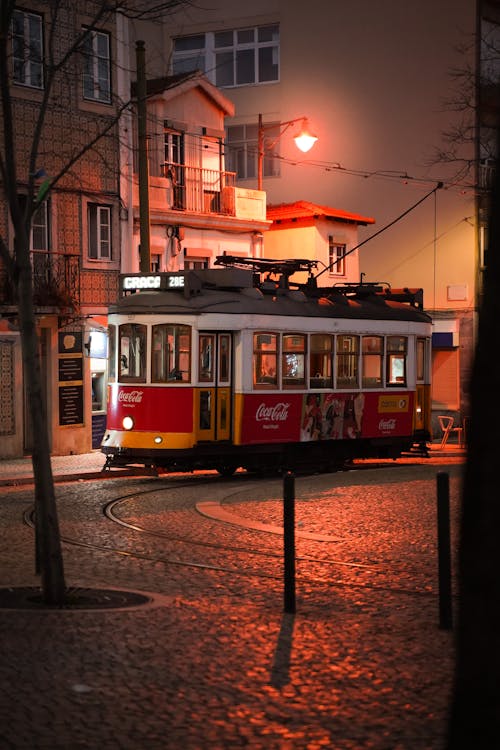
<point x="149" y="282"/>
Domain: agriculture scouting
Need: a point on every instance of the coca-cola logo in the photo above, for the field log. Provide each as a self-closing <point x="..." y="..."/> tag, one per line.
<point x="386" y="425"/>
<point x="130" y="397"/>
<point x="275" y="413"/>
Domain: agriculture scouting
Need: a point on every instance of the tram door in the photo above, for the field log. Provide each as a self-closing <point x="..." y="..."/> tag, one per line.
<point x="214" y="391"/>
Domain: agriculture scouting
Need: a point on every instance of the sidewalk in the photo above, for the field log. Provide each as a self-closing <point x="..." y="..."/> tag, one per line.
<point x="14" y="471"/>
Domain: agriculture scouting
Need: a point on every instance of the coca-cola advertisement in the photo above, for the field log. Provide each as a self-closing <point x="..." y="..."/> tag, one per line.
<point x="147" y="404"/>
<point x="271" y="418"/>
<point x="325" y="416"/>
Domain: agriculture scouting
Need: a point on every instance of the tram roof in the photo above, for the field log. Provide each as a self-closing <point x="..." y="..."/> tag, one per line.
<point x="237" y="292"/>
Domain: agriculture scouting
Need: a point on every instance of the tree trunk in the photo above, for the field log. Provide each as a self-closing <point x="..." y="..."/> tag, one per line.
<point x="475" y="710"/>
<point x="48" y="541"/>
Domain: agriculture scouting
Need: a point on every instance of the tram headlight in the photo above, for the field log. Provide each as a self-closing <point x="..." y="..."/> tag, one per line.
<point x="158" y="439"/>
<point x="127" y="423"/>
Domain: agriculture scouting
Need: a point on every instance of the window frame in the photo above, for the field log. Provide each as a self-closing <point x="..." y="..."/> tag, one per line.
<point x="265" y="359"/>
<point x="242" y="152"/>
<point x="93" y="59"/>
<point x="94" y="232"/>
<point x="28" y="63"/>
<point x="138" y="332"/>
<point x="244" y="48"/>
<point x="337" y="264"/>
<point x="347" y="358"/>
<point x="392" y="356"/>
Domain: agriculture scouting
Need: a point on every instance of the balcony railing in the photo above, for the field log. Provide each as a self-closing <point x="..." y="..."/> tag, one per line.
<point x="56" y="279"/>
<point x="200" y="190"/>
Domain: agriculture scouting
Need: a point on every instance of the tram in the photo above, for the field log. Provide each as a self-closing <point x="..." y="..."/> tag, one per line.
<point x="240" y="366"/>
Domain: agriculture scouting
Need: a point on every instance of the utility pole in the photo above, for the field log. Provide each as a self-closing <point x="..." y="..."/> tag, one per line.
<point x="145" y="255"/>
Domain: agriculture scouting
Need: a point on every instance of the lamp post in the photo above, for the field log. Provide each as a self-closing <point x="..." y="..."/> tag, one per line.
<point x="304" y="140"/>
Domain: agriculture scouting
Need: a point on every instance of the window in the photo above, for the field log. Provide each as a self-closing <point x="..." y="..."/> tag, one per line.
<point x="97" y="67"/>
<point x="293" y="360"/>
<point x="236" y="57"/>
<point x="132" y="353"/>
<point x="336" y="258"/>
<point x="171" y="354"/>
<point x="373" y="353"/>
<point x="99" y="232"/>
<point x="27" y="49"/>
<point x="111" y="353"/>
<point x="421" y="361"/>
<point x="265" y="359"/>
<point x="347" y="361"/>
<point x="396" y="360"/>
<point x="173" y="166"/>
<point x="206" y="358"/>
<point x="320" y="361"/>
<point x="242" y="151"/>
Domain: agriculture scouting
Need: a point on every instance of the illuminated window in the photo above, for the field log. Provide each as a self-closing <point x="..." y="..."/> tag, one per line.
<point x="294" y="360"/>
<point x="373" y="353"/>
<point x="320" y="361"/>
<point x="171" y="353"/>
<point x="347" y="360"/>
<point x="97" y="67"/>
<point x="397" y="347"/>
<point x="265" y="360"/>
<point x="27" y="49"/>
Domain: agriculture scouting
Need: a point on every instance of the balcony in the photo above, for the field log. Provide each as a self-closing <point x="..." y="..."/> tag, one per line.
<point x="197" y="190"/>
<point x="205" y="192"/>
<point x="56" y="281"/>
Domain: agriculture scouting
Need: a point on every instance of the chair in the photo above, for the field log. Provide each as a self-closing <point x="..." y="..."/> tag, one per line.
<point x="447" y="426"/>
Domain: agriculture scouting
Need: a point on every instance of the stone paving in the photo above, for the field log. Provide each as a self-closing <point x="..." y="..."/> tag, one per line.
<point x="213" y="660"/>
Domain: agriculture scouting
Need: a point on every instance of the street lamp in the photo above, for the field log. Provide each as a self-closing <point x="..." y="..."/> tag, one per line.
<point x="304" y="140"/>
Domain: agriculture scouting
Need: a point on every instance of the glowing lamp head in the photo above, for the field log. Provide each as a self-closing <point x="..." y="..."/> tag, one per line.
<point x="305" y="140"/>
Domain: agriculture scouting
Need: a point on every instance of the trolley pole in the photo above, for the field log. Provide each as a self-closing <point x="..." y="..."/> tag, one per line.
<point x="289" y="540"/>
<point x="444" y="556"/>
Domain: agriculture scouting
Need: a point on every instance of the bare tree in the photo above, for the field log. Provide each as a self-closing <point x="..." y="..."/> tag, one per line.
<point x="64" y="49"/>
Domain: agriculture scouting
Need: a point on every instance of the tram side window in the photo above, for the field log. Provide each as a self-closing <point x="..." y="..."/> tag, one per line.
<point x="206" y="358"/>
<point x="347" y="361"/>
<point x="171" y="353"/>
<point x="265" y="360"/>
<point x="421" y="359"/>
<point x="132" y="353"/>
<point x="294" y="360"/>
<point x="397" y="347"/>
<point x="320" y="361"/>
<point x="373" y="352"/>
<point x="111" y="353"/>
<point x="224" y="358"/>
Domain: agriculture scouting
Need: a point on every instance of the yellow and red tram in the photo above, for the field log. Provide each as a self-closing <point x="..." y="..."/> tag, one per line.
<point x="237" y="366"/>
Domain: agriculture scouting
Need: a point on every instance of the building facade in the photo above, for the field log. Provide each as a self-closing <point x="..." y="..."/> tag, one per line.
<point x="75" y="249"/>
<point x="379" y="84"/>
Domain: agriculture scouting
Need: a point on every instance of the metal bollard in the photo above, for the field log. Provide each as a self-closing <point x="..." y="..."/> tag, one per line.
<point x="444" y="555"/>
<point x="289" y="540"/>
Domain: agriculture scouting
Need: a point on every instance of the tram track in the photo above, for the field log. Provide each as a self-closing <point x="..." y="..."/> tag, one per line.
<point x="242" y="559"/>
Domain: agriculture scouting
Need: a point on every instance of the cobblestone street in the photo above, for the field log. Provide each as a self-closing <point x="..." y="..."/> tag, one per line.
<point x="212" y="660"/>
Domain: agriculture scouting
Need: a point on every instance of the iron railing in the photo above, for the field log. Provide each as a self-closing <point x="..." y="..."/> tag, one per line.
<point x="56" y="279"/>
<point x="200" y="190"/>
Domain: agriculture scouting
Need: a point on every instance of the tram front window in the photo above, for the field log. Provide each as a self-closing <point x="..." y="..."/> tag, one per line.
<point x="132" y="354"/>
<point x="171" y="353"/>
